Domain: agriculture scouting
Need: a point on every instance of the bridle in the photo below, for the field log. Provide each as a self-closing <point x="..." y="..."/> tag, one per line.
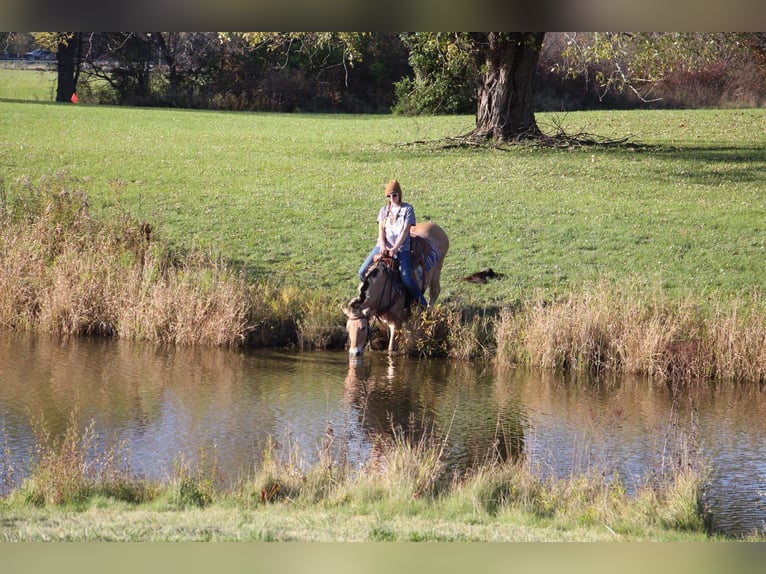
<point x="368" y="327"/>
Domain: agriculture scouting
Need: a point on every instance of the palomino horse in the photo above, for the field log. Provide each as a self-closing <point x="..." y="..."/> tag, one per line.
<point x="382" y="296"/>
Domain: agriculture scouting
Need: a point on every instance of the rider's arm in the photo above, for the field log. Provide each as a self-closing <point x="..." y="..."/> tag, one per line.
<point x="382" y="235"/>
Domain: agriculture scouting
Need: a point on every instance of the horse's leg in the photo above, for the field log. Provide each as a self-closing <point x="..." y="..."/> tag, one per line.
<point x="435" y="286"/>
<point x="391" y="336"/>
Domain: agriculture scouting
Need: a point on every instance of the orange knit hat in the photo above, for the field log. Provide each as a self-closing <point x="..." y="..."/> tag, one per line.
<point x="393" y="186"/>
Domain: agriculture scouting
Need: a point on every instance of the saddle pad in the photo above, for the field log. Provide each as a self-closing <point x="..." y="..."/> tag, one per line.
<point x="424" y="252"/>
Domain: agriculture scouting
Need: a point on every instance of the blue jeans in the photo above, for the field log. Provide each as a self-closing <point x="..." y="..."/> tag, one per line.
<point x="405" y="271"/>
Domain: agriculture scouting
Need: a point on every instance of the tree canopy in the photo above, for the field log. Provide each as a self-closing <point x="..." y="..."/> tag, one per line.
<point x="492" y="74"/>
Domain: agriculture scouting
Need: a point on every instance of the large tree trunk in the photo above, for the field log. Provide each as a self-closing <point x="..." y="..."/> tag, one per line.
<point x="505" y="99"/>
<point x="68" y="68"/>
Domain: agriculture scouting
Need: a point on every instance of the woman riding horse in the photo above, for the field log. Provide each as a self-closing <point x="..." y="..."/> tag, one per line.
<point x="395" y="219"/>
<point x="378" y="294"/>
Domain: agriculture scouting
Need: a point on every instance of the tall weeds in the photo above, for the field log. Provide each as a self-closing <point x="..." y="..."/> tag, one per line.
<point x="66" y="272"/>
<point x="605" y="328"/>
<point x="669" y="496"/>
<point x="735" y="342"/>
<point x="405" y="465"/>
<point x="76" y="467"/>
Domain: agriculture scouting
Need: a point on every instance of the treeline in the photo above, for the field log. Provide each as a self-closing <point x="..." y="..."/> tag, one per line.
<point x="399" y="72"/>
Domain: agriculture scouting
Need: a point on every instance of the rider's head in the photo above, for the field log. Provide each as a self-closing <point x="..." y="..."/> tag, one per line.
<point x="393" y="188"/>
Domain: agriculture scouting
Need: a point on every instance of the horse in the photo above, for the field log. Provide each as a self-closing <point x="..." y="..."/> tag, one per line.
<point x="383" y="296"/>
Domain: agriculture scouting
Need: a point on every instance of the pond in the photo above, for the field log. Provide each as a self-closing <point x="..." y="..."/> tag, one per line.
<point x="166" y="403"/>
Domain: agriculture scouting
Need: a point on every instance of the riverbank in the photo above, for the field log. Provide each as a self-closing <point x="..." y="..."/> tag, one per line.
<point x="403" y="492"/>
<point x="68" y="271"/>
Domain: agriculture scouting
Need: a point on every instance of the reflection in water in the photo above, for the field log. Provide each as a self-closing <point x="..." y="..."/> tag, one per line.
<point x="387" y="401"/>
<point x="166" y="403"/>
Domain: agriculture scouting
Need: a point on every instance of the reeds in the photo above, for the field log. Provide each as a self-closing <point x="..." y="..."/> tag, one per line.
<point x="604" y="328"/>
<point x="66" y="272"/>
<point x="735" y="347"/>
<point x="75" y="468"/>
<point x="609" y="329"/>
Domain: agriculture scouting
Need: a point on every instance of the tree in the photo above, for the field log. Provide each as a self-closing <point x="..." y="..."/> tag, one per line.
<point x="491" y="72"/>
<point x="312" y="71"/>
<point x="637" y="62"/>
<point x="190" y="61"/>
<point x="504" y="67"/>
<point x="498" y="67"/>
<point x="16" y="42"/>
<point x="316" y="51"/>
<point x="156" y="68"/>
<point x="505" y="101"/>
<point x="505" y="62"/>
<point x="69" y="64"/>
<point x="445" y="75"/>
<point x="68" y="49"/>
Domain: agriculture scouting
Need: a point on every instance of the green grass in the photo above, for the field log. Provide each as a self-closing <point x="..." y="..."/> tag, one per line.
<point x="20" y="81"/>
<point x="293" y="197"/>
<point x="281" y="523"/>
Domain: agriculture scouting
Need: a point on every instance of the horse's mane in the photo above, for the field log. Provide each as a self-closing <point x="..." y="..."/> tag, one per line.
<point x="370" y="277"/>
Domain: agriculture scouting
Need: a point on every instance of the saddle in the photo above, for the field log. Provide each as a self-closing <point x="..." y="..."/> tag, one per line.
<point x="423" y="257"/>
<point x="388" y="261"/>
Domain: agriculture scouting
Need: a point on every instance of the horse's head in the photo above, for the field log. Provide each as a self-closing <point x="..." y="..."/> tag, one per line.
<point x="378" y="296"/>
<point x="357" y="326"/>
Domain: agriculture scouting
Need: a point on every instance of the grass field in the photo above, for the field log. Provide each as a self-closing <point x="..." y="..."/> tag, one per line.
<point x="27" y="81"/>
<point x="293" y="198"/>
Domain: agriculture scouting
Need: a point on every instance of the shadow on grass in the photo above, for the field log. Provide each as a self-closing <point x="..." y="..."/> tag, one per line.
<point x="714" y="164"/>
<point x="743" y="164"/>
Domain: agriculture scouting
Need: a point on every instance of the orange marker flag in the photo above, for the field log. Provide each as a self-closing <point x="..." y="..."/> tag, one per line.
<point x="74" y="98"/>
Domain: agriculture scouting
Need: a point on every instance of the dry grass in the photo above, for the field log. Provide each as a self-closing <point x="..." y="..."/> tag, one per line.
<point x="66" y="272"/>
<point x="669" y="497"/>
<point x="735" y="339"/>
<point x="611" y="329"/>
<point x="203" y="303"/>
<point x="74" y="468"/>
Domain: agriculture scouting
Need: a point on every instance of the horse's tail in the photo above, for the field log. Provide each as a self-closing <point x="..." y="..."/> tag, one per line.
<point x="424" y="258"/>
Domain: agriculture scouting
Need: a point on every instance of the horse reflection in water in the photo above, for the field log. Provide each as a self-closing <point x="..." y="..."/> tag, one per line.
<point x="391" y="408"/>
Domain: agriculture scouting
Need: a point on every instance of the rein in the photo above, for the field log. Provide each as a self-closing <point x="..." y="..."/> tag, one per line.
<point x="369" y="331"/>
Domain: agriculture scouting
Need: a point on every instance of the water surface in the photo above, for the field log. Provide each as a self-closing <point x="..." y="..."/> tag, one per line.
<point x="171" y="403"/>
